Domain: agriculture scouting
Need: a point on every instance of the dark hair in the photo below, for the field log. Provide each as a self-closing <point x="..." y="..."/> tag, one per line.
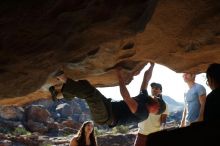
<point x="159" y="100"/>
<point x="213" y="72"/>
<point x="157" y="85"/>
<point x="162" y="105"/>
<point x="81" y="139"/>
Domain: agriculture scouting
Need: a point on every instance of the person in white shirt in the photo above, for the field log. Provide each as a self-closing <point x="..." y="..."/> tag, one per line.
<point x="154" y="122"/>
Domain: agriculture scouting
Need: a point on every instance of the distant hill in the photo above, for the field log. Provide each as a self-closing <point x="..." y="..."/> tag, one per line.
<point x="175" y="111"/>
<point x="173" y="105"/>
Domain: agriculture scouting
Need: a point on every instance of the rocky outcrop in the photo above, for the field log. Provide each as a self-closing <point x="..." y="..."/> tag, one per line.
<point x="12" y="113"/>
<point x="89" y="38"/>
<point x="11" y="117"/>
<point x="49" y="118"/>
<point x="43" y="127"/>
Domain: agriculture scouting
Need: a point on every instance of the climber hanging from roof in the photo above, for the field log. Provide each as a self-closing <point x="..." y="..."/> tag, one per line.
<point x="112" y="113"/>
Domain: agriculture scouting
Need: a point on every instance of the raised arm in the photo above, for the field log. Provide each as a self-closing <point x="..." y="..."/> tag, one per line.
<point x="132" y="104"/>
<point x="147" y="76"/>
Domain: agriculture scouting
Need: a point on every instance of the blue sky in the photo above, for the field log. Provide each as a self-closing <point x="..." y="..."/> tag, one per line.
<point x="172" y="82"/>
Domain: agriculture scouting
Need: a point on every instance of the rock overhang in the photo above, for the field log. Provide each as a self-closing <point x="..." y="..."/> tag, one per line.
<point x="89" y="38"/>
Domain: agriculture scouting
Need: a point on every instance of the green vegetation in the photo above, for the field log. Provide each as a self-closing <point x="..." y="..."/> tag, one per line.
<point x="66" y="133"/>
<point x="21" y="131"/>
<point x="46" y="144"/>
<point x="120" y="129"/>
<point x="99" y="132"/>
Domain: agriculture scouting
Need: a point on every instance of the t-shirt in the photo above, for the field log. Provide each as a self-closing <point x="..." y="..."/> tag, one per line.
<point x="192" y="103"/>
<point x="124" y="116"/>
<point x="151" y="124"/>
<point x="212" y="112"/>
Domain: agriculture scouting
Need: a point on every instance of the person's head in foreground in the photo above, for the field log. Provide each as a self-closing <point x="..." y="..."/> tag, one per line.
<point x="87" y="129"/>
<point x="213" y="75"/>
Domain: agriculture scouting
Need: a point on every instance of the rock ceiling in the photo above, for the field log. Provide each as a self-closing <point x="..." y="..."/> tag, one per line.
<point x="88" y="38"/>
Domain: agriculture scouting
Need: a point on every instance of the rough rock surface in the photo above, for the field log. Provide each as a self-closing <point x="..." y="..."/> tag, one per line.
<point x="88" y="38"/>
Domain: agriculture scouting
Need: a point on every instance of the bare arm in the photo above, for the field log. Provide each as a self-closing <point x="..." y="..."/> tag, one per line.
<point x="73" y="142"/>
<point x="183" y="118"/>
<point x="147" y="76"/>
<point x="163" y="119"/>
<point x="132" y="104"/>
<point x="202" y="100"/>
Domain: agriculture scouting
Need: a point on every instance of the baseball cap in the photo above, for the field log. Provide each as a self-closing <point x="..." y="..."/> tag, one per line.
<point x="157" y="85"/>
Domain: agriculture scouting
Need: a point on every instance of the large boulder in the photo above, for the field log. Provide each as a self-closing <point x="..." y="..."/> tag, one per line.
<point x="88" y="38"/>
<point x="12" y="113"/>
<point x="38" y="113"/>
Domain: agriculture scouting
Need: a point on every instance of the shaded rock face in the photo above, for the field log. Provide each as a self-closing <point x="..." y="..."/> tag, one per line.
<point x="88" y="38"/>
<point x="202" y="133"/>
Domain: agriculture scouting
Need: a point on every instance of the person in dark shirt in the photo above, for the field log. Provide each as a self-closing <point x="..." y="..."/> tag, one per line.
<point x="112" y="113"/>
<point x="212" y="112"/>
